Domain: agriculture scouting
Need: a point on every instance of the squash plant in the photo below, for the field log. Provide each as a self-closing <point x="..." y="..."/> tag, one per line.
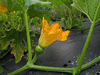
<point x="50" y="34"/>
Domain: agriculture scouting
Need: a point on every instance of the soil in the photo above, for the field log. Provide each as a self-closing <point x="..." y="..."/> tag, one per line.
<point x="61" y="54"/>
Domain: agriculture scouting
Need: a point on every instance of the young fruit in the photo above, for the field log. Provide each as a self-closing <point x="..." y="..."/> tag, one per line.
<point x="39" y="49"/>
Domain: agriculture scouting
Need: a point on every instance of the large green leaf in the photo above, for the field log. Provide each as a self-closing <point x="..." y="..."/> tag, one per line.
<point x="90" y="7"/>
<point x="1" y="69"/>
<point x="14" y="38"/>
<point x="31" y="2"/>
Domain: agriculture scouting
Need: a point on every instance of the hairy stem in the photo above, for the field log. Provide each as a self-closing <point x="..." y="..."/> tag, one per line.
<point x="54" y="69"/>
<point x="19" y="70"/>
<point x="91" y="63"/>
<point x="28" y="38"/>
<point x="85" y="49"/>
<point x="35" y="57"/>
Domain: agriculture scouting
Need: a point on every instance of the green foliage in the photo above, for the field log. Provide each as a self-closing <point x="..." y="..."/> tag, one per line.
<point x="55" y="2"/>
<point x="68" y="3"/>
<point x="14" y="38"/>
<point x="11" y="5"/>
<point x="36" y="22"/>
<point x="58" y="12"/>
<point x="12" y="20"/>
<point x="90" y="8"/>
<point x="36" y="11"/>
<point x="1" y="69"/>
<point x="19" y="5"/>
<point x="31" y="2"/>
<point x="12" y="24"/>
<point x="4" y="17"/>
<point x="22" y="2"/>
<point x="72" y="20"/>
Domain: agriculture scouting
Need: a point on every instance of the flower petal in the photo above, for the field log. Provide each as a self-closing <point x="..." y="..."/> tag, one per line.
<point x="53" y="37"/>
<point x="53" y="28"/>
<point x="63" y="36"/>
<point x="45" y="24"/>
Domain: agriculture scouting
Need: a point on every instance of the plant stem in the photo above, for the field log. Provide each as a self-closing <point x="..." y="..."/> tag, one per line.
<point x="28" y="38"/>
<point x="54" y="69"/>
<point x="94" y="26"/>
<point x="91" y="63"/>
<point x="85" y="48"/>
<point x="5" y="54"/>
<point x="35" y="57"/>
<point x="19" y="70"/>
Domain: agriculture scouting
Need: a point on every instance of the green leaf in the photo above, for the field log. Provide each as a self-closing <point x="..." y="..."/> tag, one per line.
<point x="36" y="11"/>
<point x="33" y="13"/>
<point x="55" y="2"/>
<point x="90" y="8"/>
<point x="68" y="3"/>
<point x="1" y="69"/>
<point x="15" y="39"/>
<point x="31" y="2"/>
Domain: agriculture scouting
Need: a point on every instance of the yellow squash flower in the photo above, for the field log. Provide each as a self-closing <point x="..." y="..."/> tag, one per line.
<point x="3" y="9"/>
<point x="51" y="34"/>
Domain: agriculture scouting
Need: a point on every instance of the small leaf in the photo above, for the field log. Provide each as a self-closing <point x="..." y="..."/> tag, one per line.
<point x="90" y="8"/>
<point x="1" y="69"/>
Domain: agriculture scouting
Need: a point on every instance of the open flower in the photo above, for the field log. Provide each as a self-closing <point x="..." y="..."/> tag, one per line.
<point x="3" y="9"/>
<point x="51" y="34"/>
